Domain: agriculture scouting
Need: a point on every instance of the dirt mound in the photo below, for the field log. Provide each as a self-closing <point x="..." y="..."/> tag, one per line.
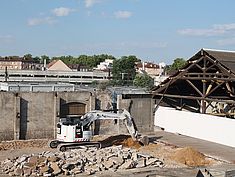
<point x="129" y="142"/>
<point x="124" y="140"/>
<point x="190" y="157"/>
<point x="18" y="144"/>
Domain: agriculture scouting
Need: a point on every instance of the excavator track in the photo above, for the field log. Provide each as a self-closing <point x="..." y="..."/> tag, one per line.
<point x="64" y="146"/>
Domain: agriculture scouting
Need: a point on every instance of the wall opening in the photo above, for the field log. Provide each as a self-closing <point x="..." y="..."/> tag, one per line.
<point x="72" y="109"/>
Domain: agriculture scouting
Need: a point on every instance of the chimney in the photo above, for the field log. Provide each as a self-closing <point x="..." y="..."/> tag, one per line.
<point x="44" y="64"/>
<point x="143" y="68"/>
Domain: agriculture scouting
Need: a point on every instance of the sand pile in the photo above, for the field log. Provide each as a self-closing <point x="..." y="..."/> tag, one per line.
<point x="129" y="142"/>
<point x="124" y="140"/>
<point x="18" y="144"/>
<point x="190" y="157"/>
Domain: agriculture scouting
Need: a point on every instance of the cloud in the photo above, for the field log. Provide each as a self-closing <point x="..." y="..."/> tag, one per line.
<point x="90" y="3"/>
<point x="6" y="38"/>
<point x="215" y="30"/>
<point x="123" y="14"/>
<point x="62" y="11"/>
<point x="40" y="21"/>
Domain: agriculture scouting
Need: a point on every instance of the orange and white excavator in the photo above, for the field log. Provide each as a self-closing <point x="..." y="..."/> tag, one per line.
<point x="72" y="133"/>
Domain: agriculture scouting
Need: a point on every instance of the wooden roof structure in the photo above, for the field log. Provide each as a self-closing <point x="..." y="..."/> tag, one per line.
<point x="206" y="84"/>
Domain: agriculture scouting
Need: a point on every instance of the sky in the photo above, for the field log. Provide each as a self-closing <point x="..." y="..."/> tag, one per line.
<point x="153" y="30"/>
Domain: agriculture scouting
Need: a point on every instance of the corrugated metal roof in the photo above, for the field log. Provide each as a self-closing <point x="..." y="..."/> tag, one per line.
<point x="227" y="58"/>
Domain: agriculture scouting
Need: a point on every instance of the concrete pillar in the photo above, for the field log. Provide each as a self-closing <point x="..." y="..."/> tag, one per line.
<point x="56" y="113"/>
<point x="92" y="103"/>
<point x="17" y="117"/>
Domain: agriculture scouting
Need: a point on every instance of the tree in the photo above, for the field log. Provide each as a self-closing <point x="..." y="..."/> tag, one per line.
<point x="36" y="59"/>
<point x="143" y="80"/>
<point x="85" y="60"/>
<point x="177" y="64"/>
<point x="124" y="68"/>
<point x="44" y="57"/>
<point x="28" y="57"/>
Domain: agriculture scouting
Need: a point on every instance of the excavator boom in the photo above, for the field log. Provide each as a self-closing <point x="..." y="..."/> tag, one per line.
<point x="123" y="114"/>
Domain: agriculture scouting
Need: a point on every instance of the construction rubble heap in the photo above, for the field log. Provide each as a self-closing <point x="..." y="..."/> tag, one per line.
<point x="79" y="161"/>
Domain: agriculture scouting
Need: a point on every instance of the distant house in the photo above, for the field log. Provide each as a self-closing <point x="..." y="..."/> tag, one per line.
<point x="105" y="65"/>
<point x="151" y="69"/>
<point x="58" y="65"/>
<point x="79" y="67"/>
<point x="19" y="63"/>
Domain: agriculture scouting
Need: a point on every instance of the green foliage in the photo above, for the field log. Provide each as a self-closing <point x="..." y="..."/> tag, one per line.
<point x="177" y="64"/>
<point x="85" y="60"/>
<point x="37" y="59"/>
<point x="143" y="80"/>
<point x="124" y="68"/>
<point x="44" y="57"/>
<point x="28" y="57"/>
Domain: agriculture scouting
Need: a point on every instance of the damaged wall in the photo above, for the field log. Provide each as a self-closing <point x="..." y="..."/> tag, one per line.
<point x="28" y="115"/>
<point x="141" y="109"/>
<point x="203" y="126"/>
<point x="7" y="115"/>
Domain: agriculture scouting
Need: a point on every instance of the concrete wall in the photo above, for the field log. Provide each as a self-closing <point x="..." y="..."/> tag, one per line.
<point x="207" y="127"/>
<point x="7" y="115"/>
<point x="81" y="96"/>
<point x="29" y="115"/>
<point x="141" y="109"/>
<point x="37" y="115"/>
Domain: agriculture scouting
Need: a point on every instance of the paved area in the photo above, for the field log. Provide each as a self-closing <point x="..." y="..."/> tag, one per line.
<point x="211" y="149"/>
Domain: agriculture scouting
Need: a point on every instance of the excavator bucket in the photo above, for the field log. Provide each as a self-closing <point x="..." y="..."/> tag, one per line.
<point x="144" y="140"/>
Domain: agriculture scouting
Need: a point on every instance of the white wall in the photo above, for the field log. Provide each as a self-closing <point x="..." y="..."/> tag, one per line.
<point x="212" y="128"/>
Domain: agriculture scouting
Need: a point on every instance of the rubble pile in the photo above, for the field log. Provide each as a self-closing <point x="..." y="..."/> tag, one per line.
<point x="76" y="161"/>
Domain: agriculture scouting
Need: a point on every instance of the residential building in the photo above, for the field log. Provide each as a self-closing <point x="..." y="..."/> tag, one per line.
<point x="105" y="65"/>
<point x="149" y="68"/>
<point x="58" y="65"/>
<point x="18" y="63"/>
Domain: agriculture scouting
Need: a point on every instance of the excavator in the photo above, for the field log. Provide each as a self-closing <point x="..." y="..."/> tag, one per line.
<point x="76" y="132"/>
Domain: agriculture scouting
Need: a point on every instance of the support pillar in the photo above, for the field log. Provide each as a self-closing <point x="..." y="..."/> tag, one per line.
<point x="17" y="118"/>
<point x="56" y="113"/>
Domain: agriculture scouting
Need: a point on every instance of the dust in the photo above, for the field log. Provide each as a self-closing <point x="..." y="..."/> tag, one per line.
<point x="190" y="157"/>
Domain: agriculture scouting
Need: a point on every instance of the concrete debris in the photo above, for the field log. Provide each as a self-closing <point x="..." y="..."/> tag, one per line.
<point x="76" y="161"/>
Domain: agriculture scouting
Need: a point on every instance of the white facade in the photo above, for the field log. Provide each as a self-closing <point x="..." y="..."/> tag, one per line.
<point x="105" y="65"/>
<point x="207" y="127"/>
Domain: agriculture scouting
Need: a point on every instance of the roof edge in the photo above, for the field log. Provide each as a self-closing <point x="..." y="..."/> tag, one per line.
<point x="216" y="50"/>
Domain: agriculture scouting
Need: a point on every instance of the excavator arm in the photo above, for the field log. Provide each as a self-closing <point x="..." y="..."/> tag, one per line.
<point x="123" y="114"/>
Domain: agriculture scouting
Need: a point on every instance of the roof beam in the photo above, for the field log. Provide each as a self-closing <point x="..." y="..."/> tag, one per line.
<point x="195" y="88"/>
<point x="195" y="98"/>
<point x="215" y="88"/>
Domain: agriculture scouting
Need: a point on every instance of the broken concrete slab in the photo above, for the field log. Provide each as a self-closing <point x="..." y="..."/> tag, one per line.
<point x="79" y="161"/>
